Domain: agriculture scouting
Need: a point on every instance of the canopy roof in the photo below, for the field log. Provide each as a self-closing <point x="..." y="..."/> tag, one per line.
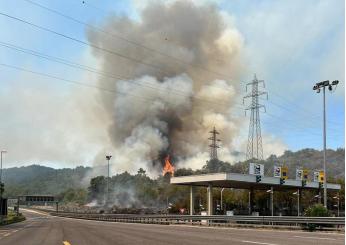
<point x="245" y="181"/>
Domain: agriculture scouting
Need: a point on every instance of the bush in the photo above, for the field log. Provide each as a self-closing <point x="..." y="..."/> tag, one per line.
<point x="317" y="210"/>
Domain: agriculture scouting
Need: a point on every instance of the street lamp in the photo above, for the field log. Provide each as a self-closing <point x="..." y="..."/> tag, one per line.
<point x="108" y="158"/>
<point x="298" y="197"/>
<point x="2" y="152"/>
<point x="318" y="87"/>
<point x="271" y="191"/>
<point x="221" y="199"/>
<point x="338" y="198"/>
<point x="1" y="184"/>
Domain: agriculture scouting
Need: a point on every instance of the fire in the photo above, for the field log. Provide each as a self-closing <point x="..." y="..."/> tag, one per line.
<point x="168" y="168"/>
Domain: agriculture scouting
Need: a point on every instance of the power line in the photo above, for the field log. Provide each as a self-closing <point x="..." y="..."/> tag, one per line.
<point x="88" y="68"/>
<point x="101" y="73"/>
<point x="88" y="85"/>
<point x="303" y="110"/>
<point x="306" y="123"/>
<point x="113" y="35"/>
<point x="82" y="42"/>
<point x="94" y="86"/>
<point x="293" y="110"/>
<point x="63" y="35"/>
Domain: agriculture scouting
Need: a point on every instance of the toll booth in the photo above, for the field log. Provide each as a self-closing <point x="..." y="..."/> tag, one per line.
<point x="37" y="200"/>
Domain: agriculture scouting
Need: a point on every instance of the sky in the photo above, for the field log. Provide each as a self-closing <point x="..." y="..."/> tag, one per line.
<point x="290" y="44"/>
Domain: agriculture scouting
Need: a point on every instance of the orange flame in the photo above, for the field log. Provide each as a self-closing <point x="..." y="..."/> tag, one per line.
<point x="168" y="168"/>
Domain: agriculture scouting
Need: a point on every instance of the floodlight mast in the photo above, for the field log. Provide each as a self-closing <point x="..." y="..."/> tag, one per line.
<point x="108" y="158"/>
<point x="318" y="87"/>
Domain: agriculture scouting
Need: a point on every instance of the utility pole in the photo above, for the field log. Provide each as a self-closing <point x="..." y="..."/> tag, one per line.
<point x="1" y="184"/>
<point x="318" y="87"/>
<point x="221" y="199"/>
<point x="214" y="144"/>
<point x="108" y="158"/>
<point x="254" y="145"/>
<point x="338" y="203"/>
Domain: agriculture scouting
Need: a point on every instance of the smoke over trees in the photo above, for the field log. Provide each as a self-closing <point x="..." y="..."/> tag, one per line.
<point x="177" y="83"/>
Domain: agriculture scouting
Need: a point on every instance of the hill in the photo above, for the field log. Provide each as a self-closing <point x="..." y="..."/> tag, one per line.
<point x="36" y="179"/>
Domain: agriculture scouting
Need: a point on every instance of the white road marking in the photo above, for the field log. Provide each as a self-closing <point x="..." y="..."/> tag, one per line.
<point x="321" y="238"/>
<point x="198" y="227"/>
<point x="33" y="211"/>
<point x="263" y="243"/>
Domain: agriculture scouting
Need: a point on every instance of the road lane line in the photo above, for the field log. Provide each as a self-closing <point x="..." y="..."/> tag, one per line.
<point x="311" y="237"/>
<point x="262" y="243"/>
<point x="35" y="212"/>
<point x="199" y="227"/>
<point x="66" y="243"/>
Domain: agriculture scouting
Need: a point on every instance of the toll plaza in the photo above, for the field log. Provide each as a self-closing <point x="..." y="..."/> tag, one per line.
<point x="36" y="200"/>
<point x="250" y="182"/>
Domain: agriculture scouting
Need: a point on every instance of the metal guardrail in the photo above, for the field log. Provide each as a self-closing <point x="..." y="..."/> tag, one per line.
<point x="264" y="220"/>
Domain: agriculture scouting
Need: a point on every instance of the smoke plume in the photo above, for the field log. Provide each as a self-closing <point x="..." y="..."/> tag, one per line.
<point x="174" y="90"/>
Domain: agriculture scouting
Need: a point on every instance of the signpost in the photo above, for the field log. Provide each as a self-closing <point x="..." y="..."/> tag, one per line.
<point x="316" y="176"/>
<point x="256" y="169"/>
<point x="277" y="172"/>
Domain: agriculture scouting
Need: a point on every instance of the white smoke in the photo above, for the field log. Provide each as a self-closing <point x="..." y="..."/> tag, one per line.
<point x="170" y="108"/>
<point x="179" y="87"/>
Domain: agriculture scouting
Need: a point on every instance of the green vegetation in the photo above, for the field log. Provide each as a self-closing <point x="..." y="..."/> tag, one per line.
<point x="75" y="186"/>
<point x="12" y="218"/>
<point x="317" y="210"/>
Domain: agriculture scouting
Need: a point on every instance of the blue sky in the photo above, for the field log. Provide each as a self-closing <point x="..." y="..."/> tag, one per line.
<point x="289" y="44"/>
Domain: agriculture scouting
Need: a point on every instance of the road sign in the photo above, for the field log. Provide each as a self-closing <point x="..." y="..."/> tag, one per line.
<point x="321" y="177"/>
<point x="299" y="174"/>
<point x="305" y="174"/>
<point x="256" y="169"/>
<point x="277" y="172"/>
<point x="284" y="173"/>
<point x="302" y="174"/>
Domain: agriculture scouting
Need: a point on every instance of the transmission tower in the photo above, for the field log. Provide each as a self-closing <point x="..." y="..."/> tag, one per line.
<point x="214" y="144"/>
<point x="254" y="144"/>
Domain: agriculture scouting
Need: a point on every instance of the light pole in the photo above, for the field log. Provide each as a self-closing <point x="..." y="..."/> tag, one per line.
<point x="2" y="152"/>
<point x="271" y="191"/>
<point x="221" y="199"/>
<point x="1" y="184"/>
<point x="108" y="158"/>
<point x="338" y="198"/>
<point x="318" y="87"/>
<point x="298" y="197"/>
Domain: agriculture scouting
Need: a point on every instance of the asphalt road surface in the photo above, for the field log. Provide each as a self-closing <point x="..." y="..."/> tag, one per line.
<point x="40" y="228"/>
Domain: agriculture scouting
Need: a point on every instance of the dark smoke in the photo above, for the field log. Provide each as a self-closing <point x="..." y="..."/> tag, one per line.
<point x="174" y="117"/>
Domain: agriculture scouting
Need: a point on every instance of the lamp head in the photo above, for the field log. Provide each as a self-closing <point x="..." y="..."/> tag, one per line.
<point x="335" y="82"/>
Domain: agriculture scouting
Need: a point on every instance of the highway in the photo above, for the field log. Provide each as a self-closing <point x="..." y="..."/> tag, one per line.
<point x="40" y="228"/>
